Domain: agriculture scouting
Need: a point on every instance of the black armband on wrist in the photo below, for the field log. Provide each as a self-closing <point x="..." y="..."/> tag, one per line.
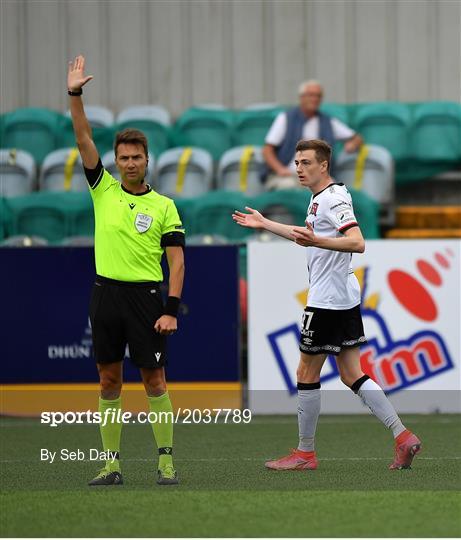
<point x="172" y="306"/>
<point x="77" y="93"/>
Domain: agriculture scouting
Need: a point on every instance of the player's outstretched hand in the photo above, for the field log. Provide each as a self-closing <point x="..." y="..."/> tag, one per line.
<point x="304" y="236"/>
<point x="76" y="74"/>
<point x="166" y="325"/>
<point x="254" y="220"/>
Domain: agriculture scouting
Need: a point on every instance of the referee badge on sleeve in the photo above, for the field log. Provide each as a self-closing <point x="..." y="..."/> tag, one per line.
<point x="142" y="222"/>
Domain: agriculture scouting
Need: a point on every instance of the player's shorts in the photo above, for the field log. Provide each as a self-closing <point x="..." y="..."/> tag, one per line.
<point x="327" y="331"/>
<point x="124" y="313"/>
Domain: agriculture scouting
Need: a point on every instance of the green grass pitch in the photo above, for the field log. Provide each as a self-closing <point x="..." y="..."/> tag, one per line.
<point x="225" y="490"/>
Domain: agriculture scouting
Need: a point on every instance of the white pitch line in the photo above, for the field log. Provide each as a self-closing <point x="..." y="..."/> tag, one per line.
<point x="358" y="420"/>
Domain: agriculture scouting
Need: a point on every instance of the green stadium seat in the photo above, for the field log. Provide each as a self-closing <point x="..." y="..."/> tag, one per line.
<point x="436" y="132"/>
<point x="193" y="180"/>
<point x="53" y="172"/>
<point x="264" y="106"/>
<point x="156" y="113"/>
<point x="213" y="215"/>
<point x="210" y="129"/>
<point x="342" y="113"/>
<point x="53" y="216"/>
<point x="385" y="124"/>
<point x="65" y="137"/>
<point x="97" y="115"/>
<point x="377" y="177"/>
<point x="33" y="130"/>
<point x="158" y="135"/>
<point x="336" y="110"/>
<point x="367" y="213"/>
<point x="39" y="214"/>
<point x="285" y="206"/>
<point x="186" y="208"/>
<point x="17" y="172"/>
<point x="103" y="136"/>
<point x="235" y="161"/>
<point x="251" y="126"/>
<point x="4" y="218"/>
<point x="2" y="131"/>
<point x="82" y="215"/>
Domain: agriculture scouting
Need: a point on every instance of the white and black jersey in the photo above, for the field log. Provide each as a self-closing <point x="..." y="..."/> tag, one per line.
<point x="332" y="283"/>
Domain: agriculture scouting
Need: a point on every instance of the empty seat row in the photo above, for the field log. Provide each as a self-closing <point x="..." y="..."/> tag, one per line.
<point x="178" y="172"/>
<point x="55" y="216"/>
<point x="432" y="133"/>
<point x="188" y="172"/>
<point x="99" y="116"/>
<point x="40" y="131"/>
<point x="52" y="216"/>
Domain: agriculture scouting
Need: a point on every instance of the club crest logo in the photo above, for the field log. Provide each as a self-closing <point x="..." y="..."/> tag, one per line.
<point x="313" y="209"/>
<point x="142" y="222"/>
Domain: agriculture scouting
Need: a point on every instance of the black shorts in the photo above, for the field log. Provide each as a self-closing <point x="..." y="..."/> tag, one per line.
<point x="327" y="331"/>
<point x="125" y="313"/>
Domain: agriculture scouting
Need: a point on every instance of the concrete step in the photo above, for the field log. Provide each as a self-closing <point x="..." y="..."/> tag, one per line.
<point x="428" y="217"/>
<point x="423" y="233"/>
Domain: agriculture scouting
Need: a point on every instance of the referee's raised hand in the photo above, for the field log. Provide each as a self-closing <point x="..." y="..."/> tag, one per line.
<point x="76" y="74"/>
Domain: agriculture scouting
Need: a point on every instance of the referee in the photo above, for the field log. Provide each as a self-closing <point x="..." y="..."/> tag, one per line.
<point x="134" y="227"/>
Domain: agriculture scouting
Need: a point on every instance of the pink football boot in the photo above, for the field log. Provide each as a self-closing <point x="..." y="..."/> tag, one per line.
<point x="407" y="445"/>
<point x="296" y="461"/>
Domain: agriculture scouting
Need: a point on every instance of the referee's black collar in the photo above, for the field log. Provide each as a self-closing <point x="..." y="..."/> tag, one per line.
<point x="329" y="185"/>
<point x="149" y="189"/>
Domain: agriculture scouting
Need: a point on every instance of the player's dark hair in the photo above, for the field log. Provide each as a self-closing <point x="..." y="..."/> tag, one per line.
<point x="322" y="149"/>
<point x="130" y="136"/>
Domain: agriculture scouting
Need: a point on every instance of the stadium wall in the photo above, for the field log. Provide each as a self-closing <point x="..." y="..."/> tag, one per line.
<point x="232" y="52"/>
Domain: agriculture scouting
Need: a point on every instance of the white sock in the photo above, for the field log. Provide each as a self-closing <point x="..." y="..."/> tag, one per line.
<point x="376" y="400"/>
<point x="308" y="414"/>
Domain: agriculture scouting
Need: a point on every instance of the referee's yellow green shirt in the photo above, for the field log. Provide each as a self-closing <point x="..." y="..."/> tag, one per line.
<point x="131" y="231"/>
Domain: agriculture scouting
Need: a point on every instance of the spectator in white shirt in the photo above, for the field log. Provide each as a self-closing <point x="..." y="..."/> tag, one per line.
<point x="302" y="122"/>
